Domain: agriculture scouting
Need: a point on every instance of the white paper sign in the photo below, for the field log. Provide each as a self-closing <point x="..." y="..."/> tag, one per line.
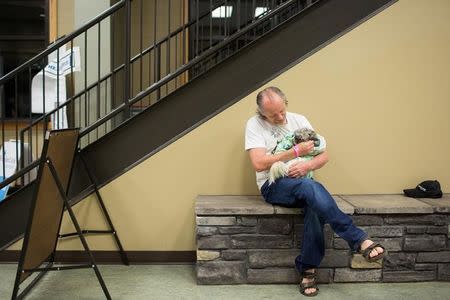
<point x="10" y="158"/>
<point x="11" y="161"/>
<point x="53" y="88"/>
<point x="8" y="155"/>
<point x="68" y="61"/>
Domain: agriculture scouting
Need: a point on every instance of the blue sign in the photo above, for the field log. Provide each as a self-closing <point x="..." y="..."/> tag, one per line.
<point x="4" y="190"/>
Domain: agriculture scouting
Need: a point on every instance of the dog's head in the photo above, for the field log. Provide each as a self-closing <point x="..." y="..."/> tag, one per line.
<point x="306" y="134"/>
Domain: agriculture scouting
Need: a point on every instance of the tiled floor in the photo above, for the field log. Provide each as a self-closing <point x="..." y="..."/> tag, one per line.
<point x="178" y="282"/>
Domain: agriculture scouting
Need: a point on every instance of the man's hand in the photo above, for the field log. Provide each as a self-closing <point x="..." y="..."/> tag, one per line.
<point x="305" y="147"/>
<point x="299" y="169"/>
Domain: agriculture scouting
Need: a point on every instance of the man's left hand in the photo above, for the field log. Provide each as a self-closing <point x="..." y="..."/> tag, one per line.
<point x="299" y="169"/>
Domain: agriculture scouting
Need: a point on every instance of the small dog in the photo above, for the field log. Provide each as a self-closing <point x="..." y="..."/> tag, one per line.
<point x="280" y="169"/>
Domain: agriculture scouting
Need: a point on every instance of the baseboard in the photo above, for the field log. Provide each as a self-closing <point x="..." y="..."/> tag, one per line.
<point x="111" y="257"/>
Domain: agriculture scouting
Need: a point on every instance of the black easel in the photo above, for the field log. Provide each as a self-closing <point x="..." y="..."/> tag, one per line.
<point x="39" y="246"/>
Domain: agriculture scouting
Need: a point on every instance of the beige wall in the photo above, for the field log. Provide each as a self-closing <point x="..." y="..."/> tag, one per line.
<point x="379" y="94"/>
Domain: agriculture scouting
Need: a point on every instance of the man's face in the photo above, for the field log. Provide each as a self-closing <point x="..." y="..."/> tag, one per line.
<point x="274" y="109"/>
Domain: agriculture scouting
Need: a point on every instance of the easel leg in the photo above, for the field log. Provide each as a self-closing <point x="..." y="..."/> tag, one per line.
<point x="105" y="212"/>
<point x="15" y="294"/>
<point x="77" y="227"/>
<point x="16" y="285"/>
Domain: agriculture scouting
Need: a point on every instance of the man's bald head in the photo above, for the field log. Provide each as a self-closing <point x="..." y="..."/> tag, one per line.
<point x="272" y="104"/>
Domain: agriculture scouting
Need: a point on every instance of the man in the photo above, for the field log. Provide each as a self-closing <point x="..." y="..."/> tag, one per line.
<point x="271" y="124"/>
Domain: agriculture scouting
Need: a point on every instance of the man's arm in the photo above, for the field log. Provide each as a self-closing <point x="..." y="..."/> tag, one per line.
<point x="303" y="167"/>
<point x="262" y="161"/>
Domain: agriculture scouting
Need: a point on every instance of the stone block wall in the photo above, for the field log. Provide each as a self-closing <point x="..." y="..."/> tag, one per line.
<point x="235" y="248"/>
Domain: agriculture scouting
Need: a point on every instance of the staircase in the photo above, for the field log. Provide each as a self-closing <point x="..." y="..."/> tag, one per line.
<point x="166" y="87"/>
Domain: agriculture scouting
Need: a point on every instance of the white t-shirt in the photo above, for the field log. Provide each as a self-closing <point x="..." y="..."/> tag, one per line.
<point x="261" y="134"/>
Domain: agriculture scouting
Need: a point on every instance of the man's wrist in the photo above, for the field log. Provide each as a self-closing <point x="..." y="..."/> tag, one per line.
<point x="310" y="165"/>
<point x="296" y="151"/>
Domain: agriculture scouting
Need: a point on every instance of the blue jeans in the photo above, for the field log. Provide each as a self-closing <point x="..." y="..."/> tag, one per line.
<point x="319" y="208"/>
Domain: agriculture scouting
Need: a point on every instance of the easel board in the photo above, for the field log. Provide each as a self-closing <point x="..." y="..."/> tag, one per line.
<point x="47" y="209"/>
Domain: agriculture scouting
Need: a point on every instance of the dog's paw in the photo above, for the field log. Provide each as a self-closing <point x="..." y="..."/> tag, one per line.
<point x="278" y="170"/>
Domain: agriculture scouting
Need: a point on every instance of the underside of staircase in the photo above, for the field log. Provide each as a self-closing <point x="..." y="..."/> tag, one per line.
<point x="199" y="100"/>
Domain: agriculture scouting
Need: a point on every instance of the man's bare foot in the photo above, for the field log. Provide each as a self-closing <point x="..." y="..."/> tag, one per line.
<point x="375" y="251"/>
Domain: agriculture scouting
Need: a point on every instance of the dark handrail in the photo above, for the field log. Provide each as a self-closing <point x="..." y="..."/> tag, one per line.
<point x="51" y="48"/>
<point x="184" y="68"/>
<point x="63" y="40"/>
<point x="163" y="80"/>
<point x="120" y="67"/>
<point x="174" y="33"/>
<point x="19" y="174"/>
<point x="208" y="52"/>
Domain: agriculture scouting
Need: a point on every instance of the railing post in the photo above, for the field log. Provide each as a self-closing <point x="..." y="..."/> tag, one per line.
<point x="127" y="92"/>
<point x="21" y="162"/>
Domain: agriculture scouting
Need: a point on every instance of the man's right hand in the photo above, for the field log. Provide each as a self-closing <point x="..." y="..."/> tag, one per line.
<point x="305" y="148"/>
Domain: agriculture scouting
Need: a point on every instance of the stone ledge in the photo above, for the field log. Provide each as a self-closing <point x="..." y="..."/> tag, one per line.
<point x="207" y="205"/>
<point x="232" y="205"/>
<point x="387" y="204"/>
<point x="345" y="206"/>
<point x="441" y="205"/>
<point x="250" y="241"/>
<point x="350" y="204"/>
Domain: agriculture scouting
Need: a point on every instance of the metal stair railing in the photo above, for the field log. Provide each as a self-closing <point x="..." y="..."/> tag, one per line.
<point x="29" y="128"/>
<point x="169" y="61"/>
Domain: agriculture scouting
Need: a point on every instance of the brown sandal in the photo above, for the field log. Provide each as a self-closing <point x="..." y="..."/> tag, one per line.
<point x="366" y="252"/>
<point x="309" y="285"/>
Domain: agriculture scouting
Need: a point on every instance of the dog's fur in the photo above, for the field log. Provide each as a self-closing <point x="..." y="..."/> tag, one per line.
<point x="280" y="169"/>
